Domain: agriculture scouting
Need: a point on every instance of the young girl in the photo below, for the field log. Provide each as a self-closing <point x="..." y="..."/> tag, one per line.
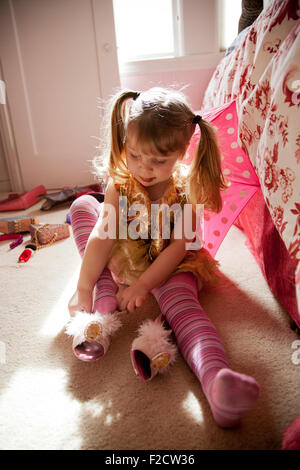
<point x="149" y="136"/>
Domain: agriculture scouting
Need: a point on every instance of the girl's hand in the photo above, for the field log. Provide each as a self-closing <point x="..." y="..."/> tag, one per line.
<point x="81" y="300"/>
<point x="132" y="297"/>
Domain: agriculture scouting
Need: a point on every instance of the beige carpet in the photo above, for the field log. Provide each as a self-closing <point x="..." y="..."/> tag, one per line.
<point x="50" y="400"/>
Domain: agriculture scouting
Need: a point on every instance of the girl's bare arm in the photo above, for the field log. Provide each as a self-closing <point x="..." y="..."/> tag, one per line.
<point x="164" y="265"/>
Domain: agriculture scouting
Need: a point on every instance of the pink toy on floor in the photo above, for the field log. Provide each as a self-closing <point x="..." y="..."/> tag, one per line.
<point x="18" y="202"/>
<point x="291" y="436"/>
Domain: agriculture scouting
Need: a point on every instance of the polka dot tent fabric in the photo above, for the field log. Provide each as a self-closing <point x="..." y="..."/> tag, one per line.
<point x="241" y="178"/>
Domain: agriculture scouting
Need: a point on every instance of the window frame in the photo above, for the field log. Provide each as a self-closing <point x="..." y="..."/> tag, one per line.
<point x="190" y="50"/>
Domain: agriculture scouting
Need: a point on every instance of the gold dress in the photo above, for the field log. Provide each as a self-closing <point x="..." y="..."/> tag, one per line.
<point x="130" y="257"/>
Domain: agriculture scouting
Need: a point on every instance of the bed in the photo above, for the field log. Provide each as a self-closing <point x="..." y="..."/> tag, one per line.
<point x="262" y="76"/>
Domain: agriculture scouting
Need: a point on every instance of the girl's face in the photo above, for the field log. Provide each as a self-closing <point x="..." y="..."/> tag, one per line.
<point x="147" y="169"/>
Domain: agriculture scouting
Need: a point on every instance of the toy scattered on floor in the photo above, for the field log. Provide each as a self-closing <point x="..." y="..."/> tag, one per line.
<point x="12" y="236"/>
<point x="13" y="227"/>
<point x="17" y="202"/>
<point x="43" y="236"/>
<point x="69" y="194"/>
<point x="48" y="233"/>
<point x="17" y="224"/>
<point x="27" y="253"/>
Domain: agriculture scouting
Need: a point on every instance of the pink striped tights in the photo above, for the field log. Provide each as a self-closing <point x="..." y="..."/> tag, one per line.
<point x="229" y="393"/>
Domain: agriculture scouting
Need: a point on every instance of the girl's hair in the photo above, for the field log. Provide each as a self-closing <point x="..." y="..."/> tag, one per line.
<point x="163" y="122"/>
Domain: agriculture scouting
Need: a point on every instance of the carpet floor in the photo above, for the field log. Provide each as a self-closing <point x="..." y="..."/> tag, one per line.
<point x="51" y="400"/>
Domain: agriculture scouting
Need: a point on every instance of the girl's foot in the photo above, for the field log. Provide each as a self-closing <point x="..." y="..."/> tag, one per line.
<point x="92" y="334"/>
<point x="231" y="396"/>
<point x="152" y="351"/>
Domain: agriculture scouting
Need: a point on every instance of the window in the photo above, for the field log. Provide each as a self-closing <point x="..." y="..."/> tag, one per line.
<point x="230" y="12"/>
<point x="144" y="29"/>
<point x="166" y="35"/>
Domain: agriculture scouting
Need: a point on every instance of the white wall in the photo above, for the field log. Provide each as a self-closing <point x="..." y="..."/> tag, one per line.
<point x="58" y="59"/>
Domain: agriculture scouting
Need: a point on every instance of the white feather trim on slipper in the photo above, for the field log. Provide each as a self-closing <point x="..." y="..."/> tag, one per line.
<point x="78" y="324"/>
<point x="153" y="339"/>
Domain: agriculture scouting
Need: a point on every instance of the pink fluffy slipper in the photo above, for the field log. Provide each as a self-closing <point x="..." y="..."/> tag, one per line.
<point x="92" y="333"/>
<point x="152" y="351"/>
<point x="291" y="436"/>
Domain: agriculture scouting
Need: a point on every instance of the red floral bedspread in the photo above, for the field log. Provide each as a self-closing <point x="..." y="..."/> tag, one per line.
<point x="263" y="75"/>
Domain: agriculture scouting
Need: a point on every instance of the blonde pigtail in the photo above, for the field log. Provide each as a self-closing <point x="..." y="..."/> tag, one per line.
<point x="116" y="164"/>
<point x="206" y="180"/>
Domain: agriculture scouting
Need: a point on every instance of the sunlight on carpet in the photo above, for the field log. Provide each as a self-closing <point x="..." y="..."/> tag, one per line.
<point x="59" y="314"/>
<point x="30" y="395"/>
<point x="94" y="408"/>
<point x="192" y="406"/>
